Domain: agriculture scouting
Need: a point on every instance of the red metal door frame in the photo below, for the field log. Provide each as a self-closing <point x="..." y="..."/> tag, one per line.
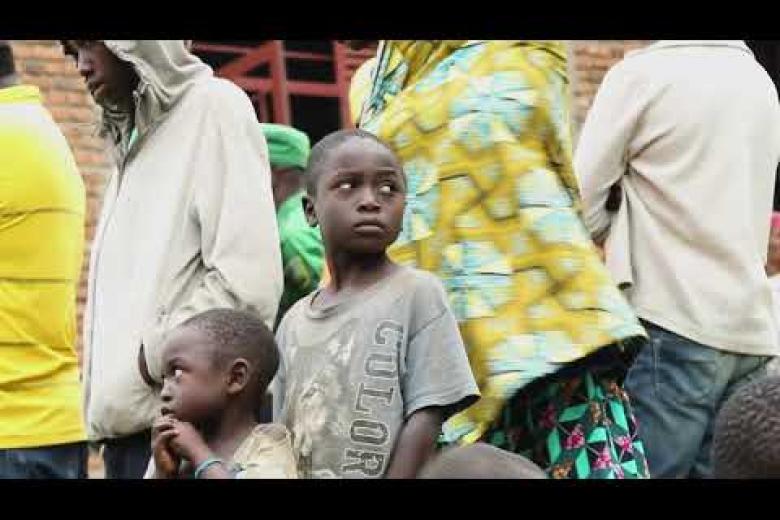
<point x="277" y="86"/>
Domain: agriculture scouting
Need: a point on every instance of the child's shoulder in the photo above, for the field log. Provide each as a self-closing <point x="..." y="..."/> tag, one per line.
<point x="266" y="453"/>
<point x="425" y="294"/>
<point x="270" y="432"/>
<point x="296" y="311"/>
<point x="264" y="437"/>
<point x="422" y="283"/>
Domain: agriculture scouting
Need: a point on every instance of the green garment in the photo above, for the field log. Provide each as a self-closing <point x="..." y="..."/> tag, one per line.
<point x="302" y="253"/>
<point x="287" y="147"/>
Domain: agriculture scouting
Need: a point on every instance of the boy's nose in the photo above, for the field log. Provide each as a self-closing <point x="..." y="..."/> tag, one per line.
<point x="368" y="201"/>
<point x="165" y="393"/>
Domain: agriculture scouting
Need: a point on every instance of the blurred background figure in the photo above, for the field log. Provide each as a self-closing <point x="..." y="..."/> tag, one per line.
<point x="684" y="127"/>
<point x="301" y="244"/>
<point x="746" y="432"/>
<point x="480" y="461"/>
<point x="42" y="206"/>
<point x="482" y="129"/>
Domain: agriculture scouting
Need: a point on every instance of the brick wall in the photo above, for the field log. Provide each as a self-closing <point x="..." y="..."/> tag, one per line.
<point x="42" y="63"/>
<point x="590" y="61"/>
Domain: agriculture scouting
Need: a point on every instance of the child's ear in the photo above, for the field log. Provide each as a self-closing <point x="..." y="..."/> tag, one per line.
<point x="238" y="376"/>
<point x="308" y="210"/>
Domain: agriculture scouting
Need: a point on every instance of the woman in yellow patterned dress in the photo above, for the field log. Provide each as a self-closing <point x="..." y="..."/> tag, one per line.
<point x="482" y="128"/>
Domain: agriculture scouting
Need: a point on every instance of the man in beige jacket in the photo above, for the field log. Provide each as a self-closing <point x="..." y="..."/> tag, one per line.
<point x="187" y="224"/>
<point x="690" y="132"/>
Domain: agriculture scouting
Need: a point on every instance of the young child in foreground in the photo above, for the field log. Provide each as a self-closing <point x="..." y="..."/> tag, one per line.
<point x="373" y="363"/>
<point x="217" y="366"/>
<point x="747" y="431"/>
<point x="481" y="461"/>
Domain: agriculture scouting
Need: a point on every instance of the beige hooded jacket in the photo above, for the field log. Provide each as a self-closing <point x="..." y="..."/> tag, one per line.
<point x="187" y="224"/>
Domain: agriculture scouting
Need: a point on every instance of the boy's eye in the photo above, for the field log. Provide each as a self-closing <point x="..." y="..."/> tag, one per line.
<point x="177" y="373"/>
<point x="344" y="186"/>
<point x="387" y="188"/>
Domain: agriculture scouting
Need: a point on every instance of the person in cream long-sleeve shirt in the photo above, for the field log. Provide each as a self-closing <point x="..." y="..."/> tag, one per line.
<point x="690" y="132"/>
<point x="187" y="224"/>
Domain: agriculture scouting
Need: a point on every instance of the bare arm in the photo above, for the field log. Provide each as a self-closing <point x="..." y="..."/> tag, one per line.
<point x="416" y="443"/>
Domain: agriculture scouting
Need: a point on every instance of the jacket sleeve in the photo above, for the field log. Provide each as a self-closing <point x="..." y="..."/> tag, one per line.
<point x="234" y="210"/>
<point x="601" y="158"/>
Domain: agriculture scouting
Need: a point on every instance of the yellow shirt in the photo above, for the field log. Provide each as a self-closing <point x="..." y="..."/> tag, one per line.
<point x="42" y="205"/>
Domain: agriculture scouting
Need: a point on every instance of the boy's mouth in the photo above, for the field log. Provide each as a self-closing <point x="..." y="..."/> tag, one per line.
<point x="369" y="227"/>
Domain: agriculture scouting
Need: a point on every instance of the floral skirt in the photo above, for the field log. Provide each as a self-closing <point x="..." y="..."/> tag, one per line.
<point x="577" y="427"/>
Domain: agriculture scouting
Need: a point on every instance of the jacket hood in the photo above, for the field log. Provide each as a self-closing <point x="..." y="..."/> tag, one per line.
<point x="166" y="71"/>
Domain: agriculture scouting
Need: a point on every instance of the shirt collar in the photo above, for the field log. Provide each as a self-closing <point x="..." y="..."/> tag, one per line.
<point x="667" y="44"/>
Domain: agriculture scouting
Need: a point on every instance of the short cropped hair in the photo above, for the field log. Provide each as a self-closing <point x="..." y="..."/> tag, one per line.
<point x="480" y="461"/>
<point x="237" y="334"/>
<point x="321" y="152"/>
<point x="747" y="429"/>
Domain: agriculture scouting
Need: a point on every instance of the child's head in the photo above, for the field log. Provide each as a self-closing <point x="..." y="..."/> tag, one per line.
<point x="746" y="432"/>
<point x="356" y="192"/>
<point x="480" y="461"/>
<point x="217" y="359"/>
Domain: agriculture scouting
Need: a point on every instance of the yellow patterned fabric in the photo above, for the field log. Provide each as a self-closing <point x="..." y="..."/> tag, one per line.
<point x="482" y="129"/>
<point x="359" y="88"/>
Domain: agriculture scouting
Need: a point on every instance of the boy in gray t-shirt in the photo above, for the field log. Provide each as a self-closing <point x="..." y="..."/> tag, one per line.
<point x="372" y="364"/>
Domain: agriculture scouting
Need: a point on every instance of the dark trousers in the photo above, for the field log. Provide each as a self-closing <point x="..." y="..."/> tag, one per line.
<point x="45" y="462"/>
<point x="127" y="457"/>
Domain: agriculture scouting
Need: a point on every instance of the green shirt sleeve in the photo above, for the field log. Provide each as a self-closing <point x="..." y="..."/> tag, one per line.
<point x="302" y="253"/>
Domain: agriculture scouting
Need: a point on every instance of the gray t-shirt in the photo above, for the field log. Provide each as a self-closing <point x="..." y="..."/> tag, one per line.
<point x="351" y="374"/>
